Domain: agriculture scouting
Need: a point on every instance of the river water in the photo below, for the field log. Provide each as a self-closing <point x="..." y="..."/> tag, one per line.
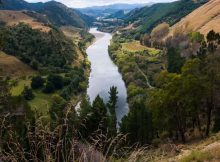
<point x="104" y="73"/>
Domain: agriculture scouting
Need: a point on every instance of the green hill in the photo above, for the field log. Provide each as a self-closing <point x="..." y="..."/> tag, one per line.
<point x="147" y="18"/>
<point x="57" y="13"/>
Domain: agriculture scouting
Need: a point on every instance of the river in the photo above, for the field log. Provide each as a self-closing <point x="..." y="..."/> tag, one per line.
<point x="104" y="73"/>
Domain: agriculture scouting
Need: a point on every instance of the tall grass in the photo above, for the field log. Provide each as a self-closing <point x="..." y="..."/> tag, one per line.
<point x="43" y="143"/>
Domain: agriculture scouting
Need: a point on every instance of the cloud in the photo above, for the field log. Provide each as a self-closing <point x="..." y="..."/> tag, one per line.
<point x="86" y="3"/>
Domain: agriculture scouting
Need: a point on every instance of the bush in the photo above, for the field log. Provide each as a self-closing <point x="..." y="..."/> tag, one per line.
<point x="56" y="80"/>
<point x="27" y="93"/>
<point x="49" y="88"/>
<point x="37" y="82"/>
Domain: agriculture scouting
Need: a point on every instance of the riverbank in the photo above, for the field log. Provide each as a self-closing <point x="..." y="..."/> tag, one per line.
<point x="138" y="64"/>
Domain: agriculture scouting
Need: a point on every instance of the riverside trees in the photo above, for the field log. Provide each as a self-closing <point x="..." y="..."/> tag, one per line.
<point x="181" y="101"/>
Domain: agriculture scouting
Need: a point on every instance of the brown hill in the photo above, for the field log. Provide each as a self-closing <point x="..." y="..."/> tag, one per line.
<point x="203" y="19"/>
<point x="11" y="66"/>
<point x="15" y="17"/>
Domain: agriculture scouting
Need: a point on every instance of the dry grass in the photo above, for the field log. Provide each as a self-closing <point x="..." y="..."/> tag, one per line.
<point x="72" y="33"/>
<point x="203" y="19"/>
<point x="12" y="67"/>
<point x="135" y="46"/>
<point x="15" y="17"/>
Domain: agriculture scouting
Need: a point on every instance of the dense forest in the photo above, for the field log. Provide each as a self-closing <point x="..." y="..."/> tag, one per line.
<point x="38" y="49"/>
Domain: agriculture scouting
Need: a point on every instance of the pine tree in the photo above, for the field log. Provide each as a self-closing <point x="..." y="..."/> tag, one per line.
<point x="112" y="105"/>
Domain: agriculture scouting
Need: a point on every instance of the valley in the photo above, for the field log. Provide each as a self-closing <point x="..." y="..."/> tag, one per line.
<point x="113" y="82"/>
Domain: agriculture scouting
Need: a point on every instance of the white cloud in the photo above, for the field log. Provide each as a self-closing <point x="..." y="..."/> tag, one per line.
<point x="86" y="3"/>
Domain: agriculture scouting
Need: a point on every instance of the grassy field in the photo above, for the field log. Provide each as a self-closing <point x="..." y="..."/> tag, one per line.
<point x="41" y="101"/>
<point x="15" y="17"/>
<point x="18" y="89"/>
<point x="72" y="32"/>
<point x="13" y="67"/>
<point x="135" y="46"/>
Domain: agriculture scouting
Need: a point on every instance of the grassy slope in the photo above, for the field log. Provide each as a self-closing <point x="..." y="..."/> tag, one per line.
<point x="135" y="46"/>
<point x="15" y="17"/>
<point x="200" y="151"/>
<point x="11" y="66"/>
<point x="203" y="19"/>
<point x="149" y="17"/>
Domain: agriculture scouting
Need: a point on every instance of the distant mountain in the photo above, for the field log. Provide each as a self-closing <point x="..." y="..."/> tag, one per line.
<point x="148" y="17"/>
<point x="57" y="13"/>
<point x="103" y="11"/>
<point x="20" y="5"/>
<point x="119" y="15"/>
<point x="203" y="19"/>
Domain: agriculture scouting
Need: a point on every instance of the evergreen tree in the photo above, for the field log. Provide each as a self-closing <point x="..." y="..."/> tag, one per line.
<point x="138" y="124"/>
<point x="4" y="95"/>
<point x="49" y="88"/>
<point x="175" y="61"/>
<point x="112" y="105"/>
<point x="37" y="82"/>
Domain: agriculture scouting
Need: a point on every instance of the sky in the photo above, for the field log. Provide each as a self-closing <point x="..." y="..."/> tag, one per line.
<point x="88" y="3"/>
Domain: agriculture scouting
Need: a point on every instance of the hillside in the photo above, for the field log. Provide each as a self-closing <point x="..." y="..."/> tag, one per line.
<point x="147" y="18"/>
<point x="57" y="13"/>
<point x="203" y="19"/>
<point x="11" y="66"/>
<point x="60" y="15"/>
<point x="16" y="17"/>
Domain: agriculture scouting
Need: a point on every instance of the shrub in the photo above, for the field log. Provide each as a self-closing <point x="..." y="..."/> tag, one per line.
<point x="27" y="93"/>
<point x="49" y="88"/>
<point x="56" y="80"/>
<point x="37" y="82"/>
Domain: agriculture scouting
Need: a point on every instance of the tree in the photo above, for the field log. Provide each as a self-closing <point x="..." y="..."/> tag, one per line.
<point x="57" y="109"/>
<point x="138" y="124"/>
<point x="112" y="105"/>
<point x="160" y="31"/>
<point x="212" y="80"/>
<point x="4" y="95"/>
<point x="27" y="93"/>
<point x="85" y="108"/>
<point x="49" y="88"/>
<point x="34" y="65"/>
<point x="37" y="82"/>
<point x="170" y="113"/>
<point x="56" y="80"/>
<point x="94" y="119"/>
<point x="175" y="61"/>
<point x="99" y="113"/>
